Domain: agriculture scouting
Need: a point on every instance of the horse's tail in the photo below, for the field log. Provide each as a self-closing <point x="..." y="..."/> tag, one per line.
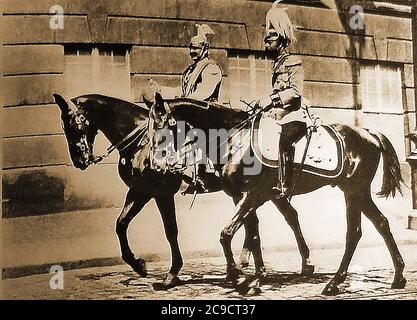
<point x="392" y="178"/>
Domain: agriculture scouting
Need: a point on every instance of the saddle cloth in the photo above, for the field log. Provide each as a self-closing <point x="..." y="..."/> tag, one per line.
<point x="324" y="155"/>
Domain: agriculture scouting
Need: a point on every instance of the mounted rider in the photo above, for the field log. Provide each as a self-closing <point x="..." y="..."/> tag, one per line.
<point x="201" y="81"/>
<point x="287" y="87"/>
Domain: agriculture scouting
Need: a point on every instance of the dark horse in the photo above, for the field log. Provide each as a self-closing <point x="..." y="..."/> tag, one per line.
<point x="362" y="151"/>
<point x="125" y="125"/>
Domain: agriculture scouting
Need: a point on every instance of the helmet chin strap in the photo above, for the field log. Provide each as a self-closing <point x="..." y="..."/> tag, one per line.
<point x="204" y="53"/>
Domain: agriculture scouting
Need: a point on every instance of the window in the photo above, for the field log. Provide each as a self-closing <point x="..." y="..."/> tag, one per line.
<point x="249" y="77"/>
<point x="381" y="87"/>
<point x="104" y="70"/>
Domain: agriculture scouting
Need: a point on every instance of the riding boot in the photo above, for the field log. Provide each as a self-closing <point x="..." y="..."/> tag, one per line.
<point x="288" y="170"/>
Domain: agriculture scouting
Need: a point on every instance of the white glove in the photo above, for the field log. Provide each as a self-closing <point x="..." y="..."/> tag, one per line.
<point x="265" y="102"/>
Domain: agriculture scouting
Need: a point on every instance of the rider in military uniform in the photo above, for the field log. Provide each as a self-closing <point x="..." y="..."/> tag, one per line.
<point x="202" y="79"/>
<point x="287" y="85"/>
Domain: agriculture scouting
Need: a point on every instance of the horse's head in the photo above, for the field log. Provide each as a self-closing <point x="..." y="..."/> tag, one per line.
<point x="160" y="132"/>
<point x="79" y="132"/>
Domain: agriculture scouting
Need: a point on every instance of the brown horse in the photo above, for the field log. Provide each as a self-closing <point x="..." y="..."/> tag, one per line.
<point x="125" y="125"/>
<point x="362" y="151"/>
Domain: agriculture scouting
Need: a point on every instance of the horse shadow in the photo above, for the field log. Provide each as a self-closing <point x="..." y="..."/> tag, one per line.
<point x="215" y="281"/>
<point x="273" y="281"/>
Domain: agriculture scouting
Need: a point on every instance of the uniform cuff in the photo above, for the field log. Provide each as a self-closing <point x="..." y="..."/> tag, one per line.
<point x="276" y="100"/>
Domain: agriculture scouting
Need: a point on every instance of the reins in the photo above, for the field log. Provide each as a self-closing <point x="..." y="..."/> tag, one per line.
<point x="140" y="134"/>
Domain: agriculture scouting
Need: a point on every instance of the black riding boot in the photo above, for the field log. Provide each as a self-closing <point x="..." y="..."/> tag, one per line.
<point x="288" y="171"/>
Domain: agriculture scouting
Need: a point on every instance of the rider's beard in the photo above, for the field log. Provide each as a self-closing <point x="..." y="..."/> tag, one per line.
<point x="272" y="54"/>
<point x="275" y="53"/>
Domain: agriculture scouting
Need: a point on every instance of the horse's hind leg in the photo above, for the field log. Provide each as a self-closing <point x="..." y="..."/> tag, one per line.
<point x="166" y="205"/>
<point x="353" y="234"/>
<point x="243" y="209"/>
<point x="253" y="243"/>
<point x="133" y="204"/>
<point x="381" y="224"/>
<point x="291" y="216"/>
<point x="249" y="235"/>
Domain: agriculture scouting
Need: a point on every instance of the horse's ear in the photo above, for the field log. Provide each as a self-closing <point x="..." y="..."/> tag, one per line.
<point x="159" y="102"/>
<point x="158" y="99"/>
<point x="65" y="105"/>
<point x="61" y="102"/>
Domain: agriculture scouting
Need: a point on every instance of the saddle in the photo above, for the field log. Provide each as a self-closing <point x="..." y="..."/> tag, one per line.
<point x="324" y="154"/>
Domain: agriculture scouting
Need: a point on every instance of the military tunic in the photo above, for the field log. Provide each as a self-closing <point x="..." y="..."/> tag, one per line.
<point x="202" y="81"/>
<point x="287" y="85"/>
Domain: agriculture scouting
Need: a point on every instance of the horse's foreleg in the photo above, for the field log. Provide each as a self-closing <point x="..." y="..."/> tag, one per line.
<point x="381" y="224"/>
<point x="291" y="216"/>
<point x="353" y="235"/>
<point x="166" y="205"/>
<point x="133" y="204"/>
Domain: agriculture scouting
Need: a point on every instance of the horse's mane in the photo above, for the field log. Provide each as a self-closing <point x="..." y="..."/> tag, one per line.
<point x="135" y="109"/>
<point x="206" y="115"/>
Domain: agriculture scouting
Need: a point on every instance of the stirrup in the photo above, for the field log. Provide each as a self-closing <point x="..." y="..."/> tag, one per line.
<point x="282" y="192"/>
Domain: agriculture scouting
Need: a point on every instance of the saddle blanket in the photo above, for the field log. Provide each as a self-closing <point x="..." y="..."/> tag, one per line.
<point x="324" y="155"/>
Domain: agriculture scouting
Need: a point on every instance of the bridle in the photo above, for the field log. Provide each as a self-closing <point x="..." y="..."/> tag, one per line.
<point x="78" y="119"/>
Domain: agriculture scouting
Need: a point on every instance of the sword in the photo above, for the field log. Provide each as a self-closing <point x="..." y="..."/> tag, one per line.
<point x="193" y="200"/>
<point x="194" y="182"/>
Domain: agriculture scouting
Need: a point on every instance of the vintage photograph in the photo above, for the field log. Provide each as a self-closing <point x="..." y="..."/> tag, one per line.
<point x="237" y="150"/>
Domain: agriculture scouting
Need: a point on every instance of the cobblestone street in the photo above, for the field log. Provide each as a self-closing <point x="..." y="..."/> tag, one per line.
<point x="370" y="276"/>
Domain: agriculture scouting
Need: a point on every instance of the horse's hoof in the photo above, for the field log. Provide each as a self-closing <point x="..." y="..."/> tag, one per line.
<point x="399" y="283"/>
<point x="170" y="281"/>
<point x="242" y="285"/>
<point x="330" y="290"/>
<point x="261" y="274"/>
<point x="139" y="266"/>
<point x="256" y="283"/>
<point x="254" y="292"/>
<point x="307" y="270"/>
<point x="233" y="274"/>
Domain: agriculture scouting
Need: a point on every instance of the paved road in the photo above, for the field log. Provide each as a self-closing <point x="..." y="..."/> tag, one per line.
<point x="370" y="276"/>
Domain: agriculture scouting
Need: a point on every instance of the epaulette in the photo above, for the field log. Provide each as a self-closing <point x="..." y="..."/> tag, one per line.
<point x="292" y="61"/>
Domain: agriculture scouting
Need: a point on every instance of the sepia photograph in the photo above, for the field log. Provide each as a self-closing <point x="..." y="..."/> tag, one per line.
<point x="226" y="152"/>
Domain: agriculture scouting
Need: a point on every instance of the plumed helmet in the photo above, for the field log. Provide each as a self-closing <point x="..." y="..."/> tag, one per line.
<point x="200" y="40"/>
<point x="278" y="25"/>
